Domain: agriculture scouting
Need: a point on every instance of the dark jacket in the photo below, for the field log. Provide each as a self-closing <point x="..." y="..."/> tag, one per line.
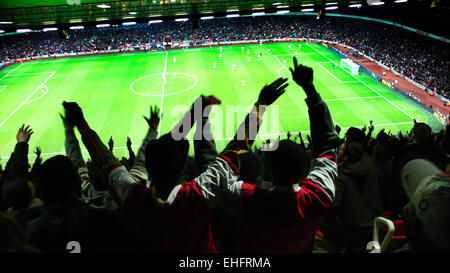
<point x="357" y="200"/>
<point x="94" y="229"/>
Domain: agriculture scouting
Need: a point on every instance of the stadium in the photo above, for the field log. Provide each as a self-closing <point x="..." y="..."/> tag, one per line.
<point x="341" y="107"/>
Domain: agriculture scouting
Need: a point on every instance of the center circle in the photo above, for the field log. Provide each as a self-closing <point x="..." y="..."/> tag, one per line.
<point x="171" y="82"/>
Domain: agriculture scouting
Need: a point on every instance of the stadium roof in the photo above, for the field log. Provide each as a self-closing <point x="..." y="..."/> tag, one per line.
<point x="36" y="14"/>
<point x="51" y="12"/>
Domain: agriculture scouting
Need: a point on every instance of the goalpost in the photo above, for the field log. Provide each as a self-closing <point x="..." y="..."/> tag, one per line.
<point x="350" y="65"/>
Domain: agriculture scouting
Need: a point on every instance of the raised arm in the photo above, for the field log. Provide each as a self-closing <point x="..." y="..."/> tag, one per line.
<point x="217" y="178"/>
<point x="204" y="146"/>
<point x="101" y="157"/>
<point x="325" y="140"/>
<point x="17" y="165"/>
<point x="247" y="131"/>
<point x="138" y="170"/>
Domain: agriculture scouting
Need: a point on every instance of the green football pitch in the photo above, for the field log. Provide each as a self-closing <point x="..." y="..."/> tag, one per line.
<point x="115" y="91"/>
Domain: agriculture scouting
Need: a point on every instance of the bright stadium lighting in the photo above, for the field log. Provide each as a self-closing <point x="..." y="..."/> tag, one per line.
<point x="132" y="12"/>
<point x="22" y="30"/>
<point x="331" y="4"/>
<point x="103" y="6"/>
<point x="282" y="7"/>
<point x="307" y="10"/>
<point x="154" y="21"/>
<point x="283" y="11"/>
<point x="181" y="19"/>
<point x="400" y="1"/>
<point x="330" y="8"/>
<point x="258" y="13"/>
<point x="76" y="27"/>
<point x="307" y="5"/>
<point x="128" y="23"/>
<point x="50" y="29"/>
<point x="354" y="6"/>
<point x="232" y="15"/>
<point x="5" y="23"/>
<point x="232" y="10"/>
<point x="257" y="8"/>
<point x="102" y="25"/>
<point x="377" y="3"/>
<point x="206" y="17"/>
<point x="276" y="4"/>
<point x="2" y="31"/>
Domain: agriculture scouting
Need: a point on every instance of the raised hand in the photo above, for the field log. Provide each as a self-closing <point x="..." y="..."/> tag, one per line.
<point x="128" y="143"/>
<point x="111" y="144"/>
<point x="38" y="151"/>
<point x="338" y="129"/>
<point x="74" y="114"/>
<point x="67" y="124"/>
<point x="24" y="134"/>
<point x="303" y="76"/>
<point x="270" y="93"/>
<point x="210" y="100"/>
<point x="154" y="119"/>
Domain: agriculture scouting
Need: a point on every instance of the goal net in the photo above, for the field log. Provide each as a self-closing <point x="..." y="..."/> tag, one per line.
<point x="350" y="65"/>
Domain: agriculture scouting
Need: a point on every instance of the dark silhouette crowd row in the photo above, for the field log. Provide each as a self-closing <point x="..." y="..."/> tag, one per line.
<point x="242" y="199"/>
<point x="425" y="60"/>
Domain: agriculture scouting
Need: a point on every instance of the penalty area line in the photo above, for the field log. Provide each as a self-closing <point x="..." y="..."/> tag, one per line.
<point x="403" y="111"/>
<point x="25" y="101"/>
<point x="11" y="71"/>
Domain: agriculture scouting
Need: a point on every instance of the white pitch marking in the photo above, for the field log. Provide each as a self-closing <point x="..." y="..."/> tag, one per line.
<point x="403" y="111"/>
<point x="357" y="98"/>
<point x="11" y="71"/>
<point x="31" y="74"/>
<point x="330" y="73"/>
<point x="25" y="101"/>
<point x="3" y="87"/>
<point x="292" y="55"/>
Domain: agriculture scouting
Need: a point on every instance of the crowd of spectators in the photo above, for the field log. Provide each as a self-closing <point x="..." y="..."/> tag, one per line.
<point x="422" y="59"/>
<point x="244" y="199"/>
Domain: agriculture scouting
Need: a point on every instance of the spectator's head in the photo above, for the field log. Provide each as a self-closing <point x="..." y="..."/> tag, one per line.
<point x="251" y="167"/>
<point x="351" y="151"/>
<point x="58" y="181"/>
<point x="421" y="133"/>
<point x="382" y="137"/>
<point x="165" y="159"/>
<point x="287" y="163"/>
<point x="355" y="134"/>
<point x="17" y="194"/>
<point x="380" y="154"/>
<point x="428" y="189"/>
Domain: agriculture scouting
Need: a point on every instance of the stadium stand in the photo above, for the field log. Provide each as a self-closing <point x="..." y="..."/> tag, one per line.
<point x="325" y="194"/>
<point x="424" y="60"/>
